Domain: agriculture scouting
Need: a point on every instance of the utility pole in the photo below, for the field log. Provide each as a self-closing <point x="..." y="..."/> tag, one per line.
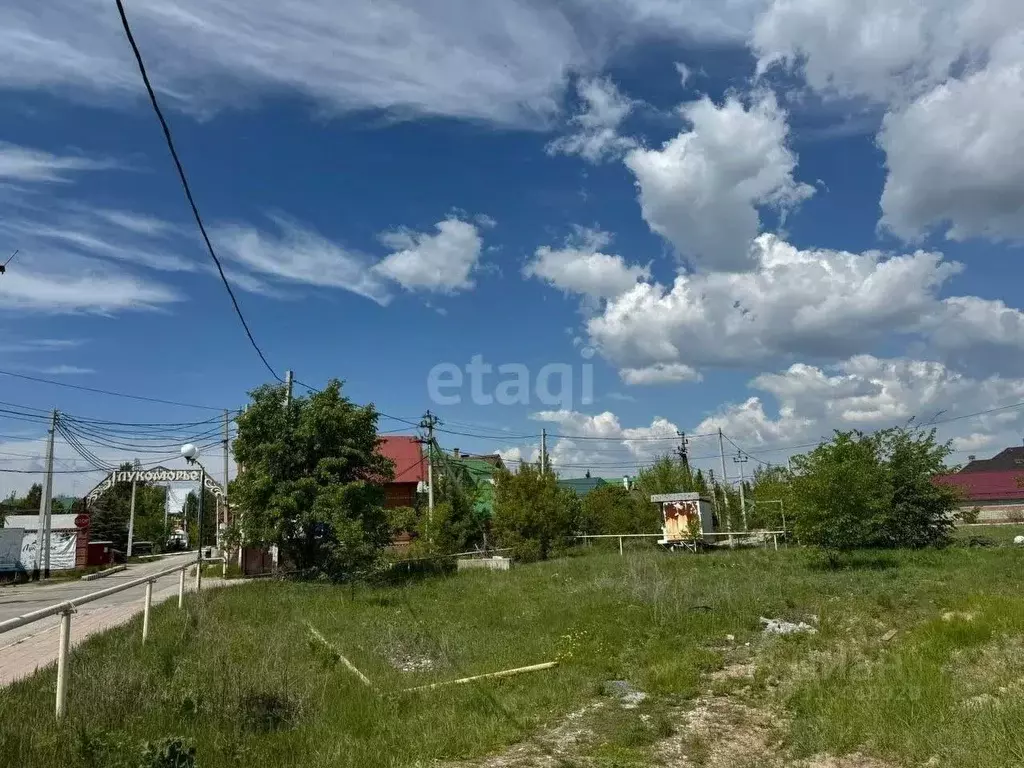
<point x="287" y="388"/>
<point x="725" y="485"/>
<point x="428" y="423"/>
<point x="45" y="502"/>
<point x="681" y="450"/>
<point x="741" y="459"/>
<point x="224" y="497"/>
<point x="131" y="521"/>
<point x="543" y="450"/>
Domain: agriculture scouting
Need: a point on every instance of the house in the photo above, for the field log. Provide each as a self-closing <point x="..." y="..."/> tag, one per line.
<point x="410" y="469"/>
<point x="584" y="485"/>
<point x="995" y="486"/>
<point x="481" y="469"/>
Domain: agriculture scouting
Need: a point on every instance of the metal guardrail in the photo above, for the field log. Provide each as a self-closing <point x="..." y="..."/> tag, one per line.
<point x="66" y="608"/>
<point x="733" y="534"/>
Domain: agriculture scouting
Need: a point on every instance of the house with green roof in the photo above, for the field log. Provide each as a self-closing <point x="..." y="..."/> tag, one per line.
<point x="584" y="485"/>
<point x="481" y="469"/>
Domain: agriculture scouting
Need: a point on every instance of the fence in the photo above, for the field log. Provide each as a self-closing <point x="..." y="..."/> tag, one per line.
<point x="67" y="608"/>
<point x="732" y="536"/>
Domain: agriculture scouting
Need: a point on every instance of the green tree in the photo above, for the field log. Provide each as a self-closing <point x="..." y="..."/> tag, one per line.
<point x="191" y="511"/>
<point x="769" y="498"/>
<point x="110" y="513"/>
<point x="610" y="509"/>
<point x="456" y="525"/>
<point x="873" y="490"/>
<point x="532" y="514"/>
<point x="313" y="480"/>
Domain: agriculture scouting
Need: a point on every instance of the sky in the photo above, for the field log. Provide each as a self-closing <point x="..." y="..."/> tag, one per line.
<point x="612" y="220"/>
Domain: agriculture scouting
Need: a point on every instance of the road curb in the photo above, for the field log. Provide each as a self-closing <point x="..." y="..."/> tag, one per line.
<point x="106" y="572"/>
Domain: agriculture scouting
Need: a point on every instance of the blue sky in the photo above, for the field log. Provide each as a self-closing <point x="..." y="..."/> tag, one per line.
<point x="777" y="217"/>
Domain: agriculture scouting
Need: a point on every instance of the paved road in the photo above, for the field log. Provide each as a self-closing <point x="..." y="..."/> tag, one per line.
<point x="27" y="648"/>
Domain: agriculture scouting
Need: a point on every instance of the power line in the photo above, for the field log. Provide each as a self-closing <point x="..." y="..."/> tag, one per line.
<point x="108" y="392"/>
<point x="185" y="186"/>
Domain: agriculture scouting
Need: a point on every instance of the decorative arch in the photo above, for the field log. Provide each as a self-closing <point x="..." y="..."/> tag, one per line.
<point x="155" y="475"/>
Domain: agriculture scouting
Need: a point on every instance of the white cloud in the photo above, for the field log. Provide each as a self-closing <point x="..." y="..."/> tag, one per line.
<point x="685" y="73"/>
<point x="298" y="255"/>
<point x="817" y="303"/>
<point x="954" y="155"/>
<point x="505" y="61"/>
<point x="33" y="165"/>
<point x="581" y="268"/>
<point x="441" y="263"/>
<point x="702" y="189"/>
<point x="596" y="127"/>
<point x="866" y="392"/>
<point x="659" y="373"/>
<point x="80" y="285"/>
<point x="950" y="73"/>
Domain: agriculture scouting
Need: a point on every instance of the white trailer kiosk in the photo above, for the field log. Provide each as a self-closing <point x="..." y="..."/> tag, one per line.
<point x="686" y="518"/>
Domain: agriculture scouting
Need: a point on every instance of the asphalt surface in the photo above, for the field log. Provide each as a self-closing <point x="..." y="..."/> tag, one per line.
<point x="33" y="646"/>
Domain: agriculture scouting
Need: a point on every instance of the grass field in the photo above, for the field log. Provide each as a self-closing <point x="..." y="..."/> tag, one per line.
<point x="919" y="657"/>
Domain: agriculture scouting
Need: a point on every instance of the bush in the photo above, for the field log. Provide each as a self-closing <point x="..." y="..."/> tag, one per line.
<point x="532" y="514"/>
<point x="859" y="491"/>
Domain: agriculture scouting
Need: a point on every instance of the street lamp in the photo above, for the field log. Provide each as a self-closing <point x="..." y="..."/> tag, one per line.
<point x="191" y="455"/>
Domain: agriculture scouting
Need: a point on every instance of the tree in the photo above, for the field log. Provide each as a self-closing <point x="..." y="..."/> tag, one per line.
<point x="190" y="510"/>
<point x="313" y="480"/>
<point x="874" y="490"/>
<point x="769" y="497"/>
<point x="456" y="525"/>
<point x="33" y="498"/>
<point x="111" y="511"/>
<point x="532" y="514"/>
<point x="610" y="509"/>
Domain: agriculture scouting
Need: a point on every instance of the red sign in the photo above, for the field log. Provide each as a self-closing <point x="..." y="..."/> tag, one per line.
<point x="81" y="521"/>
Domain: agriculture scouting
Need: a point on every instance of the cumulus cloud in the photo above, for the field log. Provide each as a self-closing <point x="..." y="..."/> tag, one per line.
<point x="580" y="267"/>
<point x="595" y="127"/>
<point x="817" y="303"/>
<point x="949" y="72"/>
<point x="703" y="189"/>
<point x="659" y="373"/>
<point x="867" y="392"/>
<point x="953" y="155"/>
<point x="441" y="263"/>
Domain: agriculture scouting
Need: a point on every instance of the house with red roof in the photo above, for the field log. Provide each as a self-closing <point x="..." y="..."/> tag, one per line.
<point x="994" y="486"/>
<point x="410" y="469"/>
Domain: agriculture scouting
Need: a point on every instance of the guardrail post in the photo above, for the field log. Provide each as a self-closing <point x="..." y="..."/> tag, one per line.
<point x="64" y="646"/>
<point x="620" y="546"/>
<point x="145" y="612"/>
<point x="775" y="539"/>
<point x="181" y="588"/>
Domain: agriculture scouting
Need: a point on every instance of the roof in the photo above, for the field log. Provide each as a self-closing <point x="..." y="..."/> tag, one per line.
<point x="493" y="459"/>
<point x="1007" y="459"/>
<point x="405" y="452"/>
<point x="31" y="522"/>
<point x="582" y="485"/>
<point x="987" y="486"/>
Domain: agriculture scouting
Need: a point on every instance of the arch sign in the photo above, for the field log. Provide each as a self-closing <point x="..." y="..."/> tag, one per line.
<point x="155" y="475"/>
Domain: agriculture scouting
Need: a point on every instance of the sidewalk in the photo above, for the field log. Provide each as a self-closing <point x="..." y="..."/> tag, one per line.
<point x="29" y="648"/>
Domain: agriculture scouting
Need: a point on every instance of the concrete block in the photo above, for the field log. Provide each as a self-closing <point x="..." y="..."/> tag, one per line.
<point x="490" y="563"/>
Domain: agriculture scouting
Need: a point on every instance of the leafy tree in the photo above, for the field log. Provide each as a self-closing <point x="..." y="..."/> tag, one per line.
<point x="768" y="487"/>
<point x="612" y="509"/>
<point x="920" y="513"/>
<point x="191" y="512"/>
<point x="33" y="498"/>
<point x="532" y="514"/>
<point x="873" y="491"/>
<point x="313" y="480"/>
<point x="456" y="525"/>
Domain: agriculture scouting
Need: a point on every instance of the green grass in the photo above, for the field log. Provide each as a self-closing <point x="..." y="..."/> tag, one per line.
<point x="237" y="674"/>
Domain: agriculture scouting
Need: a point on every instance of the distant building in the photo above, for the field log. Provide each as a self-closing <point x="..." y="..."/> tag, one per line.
<point x="584" y="485"/>
<point x="995" y="486"/>
<point x="481" y="468"/>
<point x="410" y="469"/>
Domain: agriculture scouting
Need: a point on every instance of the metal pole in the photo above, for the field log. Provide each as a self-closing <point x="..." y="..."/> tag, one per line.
<point x="181" y="589"/>
<point x="42" y="559"/>
<point x="725" y="486"/>
<point x="740" y="459"/>
<point x="620" y="546"/>
<point x="199" y="528"/>
<point x="64" y="645"/>
<point x="145" y="612"/>
<point x="131" y="521"/>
